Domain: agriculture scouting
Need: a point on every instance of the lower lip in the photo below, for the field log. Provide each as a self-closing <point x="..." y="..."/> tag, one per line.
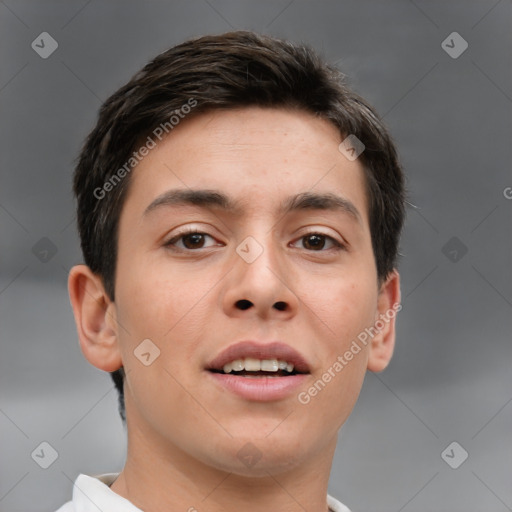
<point x="260" y="389"/>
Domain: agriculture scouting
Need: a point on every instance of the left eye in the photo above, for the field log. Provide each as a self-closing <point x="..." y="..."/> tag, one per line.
<point x="192" y="241"/>
<point x="318" y="242"/>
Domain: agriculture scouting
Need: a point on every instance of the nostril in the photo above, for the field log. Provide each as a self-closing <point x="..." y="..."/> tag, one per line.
<point x="280" y="306"/>
<point x="243" y="304"/>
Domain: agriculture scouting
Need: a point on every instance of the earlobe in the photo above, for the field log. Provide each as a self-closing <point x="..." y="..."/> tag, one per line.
<point x="95" y="318"/>
<point x="388" y="306"/>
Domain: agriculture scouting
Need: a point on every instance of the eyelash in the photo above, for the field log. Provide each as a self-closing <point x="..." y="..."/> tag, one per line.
<point x="182" y="235"/>
<point x="337" y="246"/>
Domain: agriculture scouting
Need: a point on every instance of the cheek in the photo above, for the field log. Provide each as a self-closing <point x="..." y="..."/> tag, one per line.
<point x="345" y="306"/>
<point x="172" y="313"/>
<point x="156" y="298"/>
<point x="172" y="310"/>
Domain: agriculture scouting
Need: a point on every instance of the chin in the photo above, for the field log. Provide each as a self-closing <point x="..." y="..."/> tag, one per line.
<point x="257" y="457"/>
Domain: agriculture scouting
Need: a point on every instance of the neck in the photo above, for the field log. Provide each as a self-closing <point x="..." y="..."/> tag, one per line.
<point x="161" y="476"/>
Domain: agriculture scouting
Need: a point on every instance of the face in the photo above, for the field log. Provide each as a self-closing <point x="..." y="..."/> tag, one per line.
<point x="244" y="238"/>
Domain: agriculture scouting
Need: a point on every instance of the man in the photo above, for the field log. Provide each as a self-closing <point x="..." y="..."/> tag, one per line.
<point x="239" y="210"/>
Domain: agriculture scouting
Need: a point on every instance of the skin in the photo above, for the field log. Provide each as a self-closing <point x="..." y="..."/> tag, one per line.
<point x="184" y="431"/>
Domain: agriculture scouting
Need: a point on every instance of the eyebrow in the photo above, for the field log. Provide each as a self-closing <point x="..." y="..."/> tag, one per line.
<point x="214" y="199"/>
<point x="322" y="201"/>
<point x="203" y="198"/>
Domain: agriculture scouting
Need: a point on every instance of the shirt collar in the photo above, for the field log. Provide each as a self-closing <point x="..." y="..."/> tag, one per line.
<point x="93" y="494"/>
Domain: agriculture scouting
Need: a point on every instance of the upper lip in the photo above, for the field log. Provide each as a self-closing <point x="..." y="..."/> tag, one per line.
<point x="273" y="350"/>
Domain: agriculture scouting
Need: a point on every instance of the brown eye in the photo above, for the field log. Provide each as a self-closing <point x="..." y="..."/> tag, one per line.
<point x="191" y="241"/>
<point x="194" y="241"/>
<point x="313" y="242"/>
<point x="318" y="242"/>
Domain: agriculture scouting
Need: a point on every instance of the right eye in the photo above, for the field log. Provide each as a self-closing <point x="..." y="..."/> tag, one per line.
<point x="192" y="240"/>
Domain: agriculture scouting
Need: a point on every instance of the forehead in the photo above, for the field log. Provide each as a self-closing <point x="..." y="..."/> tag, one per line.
<point x="255" y="155"/>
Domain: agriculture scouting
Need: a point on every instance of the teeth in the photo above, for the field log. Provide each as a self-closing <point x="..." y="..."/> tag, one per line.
<point x="252" y="365"/>
<point x="237" y="365"/>
<point x="249" y="364"/>
<point x="269" y="365"/>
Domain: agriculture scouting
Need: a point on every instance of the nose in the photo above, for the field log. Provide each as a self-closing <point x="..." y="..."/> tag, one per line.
<point x="260" y="288"/>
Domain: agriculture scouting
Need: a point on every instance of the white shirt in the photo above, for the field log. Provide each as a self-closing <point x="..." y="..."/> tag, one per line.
<point x="93" y="494"/>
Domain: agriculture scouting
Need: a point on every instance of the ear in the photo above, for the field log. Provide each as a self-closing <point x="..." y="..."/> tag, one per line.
<point x="95" y="318"/>
<point x="388" y="305"/>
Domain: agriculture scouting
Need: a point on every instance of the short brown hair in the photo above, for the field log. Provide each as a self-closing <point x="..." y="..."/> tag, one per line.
<point x="232" y="70"/>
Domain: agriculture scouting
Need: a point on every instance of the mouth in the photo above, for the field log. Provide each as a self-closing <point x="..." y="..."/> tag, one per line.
<point x="251" y="367"/>
<point x="251" y="359"/>
<point x="259" y="372"/>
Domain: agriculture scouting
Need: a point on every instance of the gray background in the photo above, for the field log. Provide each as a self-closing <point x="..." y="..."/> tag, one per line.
<point x="450" y="379"/>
